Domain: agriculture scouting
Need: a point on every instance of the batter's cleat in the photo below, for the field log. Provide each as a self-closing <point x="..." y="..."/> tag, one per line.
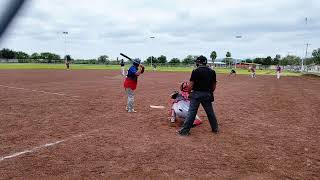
<point x="183" y="132"/>
<point x="132" y="111"/>
<point x="126" y="108"/>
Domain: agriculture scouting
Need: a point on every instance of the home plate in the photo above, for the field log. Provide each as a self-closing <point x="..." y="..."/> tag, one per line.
<point x="157" y="107"/>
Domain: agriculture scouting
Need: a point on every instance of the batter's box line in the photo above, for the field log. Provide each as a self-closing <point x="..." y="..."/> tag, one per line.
<point x="38" y="148"/>
<point x="59" y="94"/>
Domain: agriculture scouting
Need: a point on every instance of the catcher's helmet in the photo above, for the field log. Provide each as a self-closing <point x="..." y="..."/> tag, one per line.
<point x="184" y="86"/>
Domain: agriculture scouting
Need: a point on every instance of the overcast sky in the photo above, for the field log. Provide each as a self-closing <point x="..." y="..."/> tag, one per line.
<point x="180" y="27"/>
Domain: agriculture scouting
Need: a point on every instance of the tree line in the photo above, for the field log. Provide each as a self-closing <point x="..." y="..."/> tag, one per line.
<point x="48" y="57"/>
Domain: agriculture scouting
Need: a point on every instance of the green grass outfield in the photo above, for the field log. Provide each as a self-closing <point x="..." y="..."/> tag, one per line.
<point x="20" y="66"/>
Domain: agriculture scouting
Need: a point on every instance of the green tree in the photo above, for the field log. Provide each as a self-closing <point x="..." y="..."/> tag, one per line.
<point x="248" y="61"/>
<point x="35" y="56"/>
<point x="189" y="59"/>
<point x="228" y="58"/>
<point x="213" y="55"/>
<point x="258" y="60"/>
<point x="104" y="59"/>
<point x="283" y="62"/>
<point x="174" y="61"/>
<point x="228" y="55"/>
<point x="7" y="54"/>
<point x="162" y="59"/>
<point x="49" y="56"/>
<point x="276" y="59"/>
<point x="316" y="56"/>
<point x="154" y="60"/>
<point x="92" y="61"/>
<point x="290" y="60"/>
<point x="309" y="61"/>
<point x="267" y="61"/>
<point x="21" y="55"/>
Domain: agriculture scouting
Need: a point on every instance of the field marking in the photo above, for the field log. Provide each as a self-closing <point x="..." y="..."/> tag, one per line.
<point x="32" y="150"/>
<point x="157" y="107"/>
<point x="59" y="94"/>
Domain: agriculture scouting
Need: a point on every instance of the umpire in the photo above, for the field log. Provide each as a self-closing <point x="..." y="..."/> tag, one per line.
<point x="202" y="85"/>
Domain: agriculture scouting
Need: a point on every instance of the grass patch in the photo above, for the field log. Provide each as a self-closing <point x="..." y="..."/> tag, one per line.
<point x="21" y="66"/>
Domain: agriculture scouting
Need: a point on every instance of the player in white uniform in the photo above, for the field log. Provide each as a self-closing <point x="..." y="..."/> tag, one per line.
<point x="180" y="105"/>
<point x="278" y="72"/>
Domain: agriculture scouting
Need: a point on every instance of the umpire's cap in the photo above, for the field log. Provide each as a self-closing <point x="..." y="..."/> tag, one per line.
<point x="201" y="60"/>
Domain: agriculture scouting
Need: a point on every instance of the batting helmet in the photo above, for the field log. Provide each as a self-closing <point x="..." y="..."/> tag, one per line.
<point x="136" y="61"/>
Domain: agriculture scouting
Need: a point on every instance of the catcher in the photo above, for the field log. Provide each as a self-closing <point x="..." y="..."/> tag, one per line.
<point x="131" y="81"/>
<point x="233" y="73"/>
<point x="180" y="105"/>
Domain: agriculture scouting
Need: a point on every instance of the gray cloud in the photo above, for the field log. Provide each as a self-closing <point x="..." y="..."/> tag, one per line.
<point x="181" y="27"/>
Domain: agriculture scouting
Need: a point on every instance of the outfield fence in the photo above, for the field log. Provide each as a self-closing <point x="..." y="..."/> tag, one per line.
<point x="293" y="68"/>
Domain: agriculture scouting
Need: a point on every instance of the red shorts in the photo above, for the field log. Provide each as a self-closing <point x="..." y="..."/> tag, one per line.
<point x="130" y="84"/>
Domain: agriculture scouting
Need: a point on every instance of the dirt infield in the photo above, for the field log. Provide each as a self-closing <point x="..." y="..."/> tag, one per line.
<point x="73" y="124"/>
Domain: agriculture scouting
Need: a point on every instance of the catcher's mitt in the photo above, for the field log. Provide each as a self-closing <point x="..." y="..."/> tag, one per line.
<point x="142" y="69"/>
<point x="174" y="94"/>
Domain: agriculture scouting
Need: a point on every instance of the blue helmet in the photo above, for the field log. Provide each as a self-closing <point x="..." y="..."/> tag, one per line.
<point x="136" y="61"/>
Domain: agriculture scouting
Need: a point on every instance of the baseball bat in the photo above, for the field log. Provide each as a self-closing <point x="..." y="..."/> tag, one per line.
<point x="125" y="56"/>
<point x="9" y="14"/>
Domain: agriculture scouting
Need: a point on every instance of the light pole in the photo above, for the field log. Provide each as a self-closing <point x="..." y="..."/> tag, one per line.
<point x="307" y="45"/>
<point x="151" y="37"/>
<point x="235" y="65"/>
<point x="65" y="41"/>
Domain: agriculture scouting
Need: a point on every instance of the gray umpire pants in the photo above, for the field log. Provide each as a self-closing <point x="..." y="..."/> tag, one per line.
<point x="130" y="95"/>
<point x="197" y="98"/>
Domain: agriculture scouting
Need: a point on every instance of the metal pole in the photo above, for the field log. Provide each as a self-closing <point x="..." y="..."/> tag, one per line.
<point x="152" y="37"/>
<point x="302" y="64"/>
<point x="307" y="45"/>
<point x="235" y="65"/>
<point x="65" y="42"/>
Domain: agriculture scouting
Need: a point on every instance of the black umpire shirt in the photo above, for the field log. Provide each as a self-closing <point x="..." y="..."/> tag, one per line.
<point x="203" y="78"/>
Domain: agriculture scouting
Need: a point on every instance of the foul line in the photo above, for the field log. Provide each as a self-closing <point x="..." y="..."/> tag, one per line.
<point x="59" y="94"/>
<point x="43" y="146"/>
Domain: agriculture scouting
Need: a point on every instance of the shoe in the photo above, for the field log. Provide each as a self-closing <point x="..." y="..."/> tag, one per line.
<point x="215" y="131"/>
<point x="126" y="108"/>
<point x="183" y="132"/>
<point x="132" y="111"/>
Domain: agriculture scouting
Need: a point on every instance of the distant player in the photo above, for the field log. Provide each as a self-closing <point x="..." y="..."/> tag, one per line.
<point x="233" y="73"/>
<point x="278" y="69"/>
<point x="253" y="71"/>
<point x="122" y="67"/>
<point x="68" y="61"/>
<point x="154" y="67"/>
<point x="131" y="81"/>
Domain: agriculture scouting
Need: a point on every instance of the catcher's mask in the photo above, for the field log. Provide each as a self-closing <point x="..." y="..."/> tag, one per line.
<point x="184" y="86"/>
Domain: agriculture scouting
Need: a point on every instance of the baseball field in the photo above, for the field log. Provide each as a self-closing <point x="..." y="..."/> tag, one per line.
<point x="73" y="124"/>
